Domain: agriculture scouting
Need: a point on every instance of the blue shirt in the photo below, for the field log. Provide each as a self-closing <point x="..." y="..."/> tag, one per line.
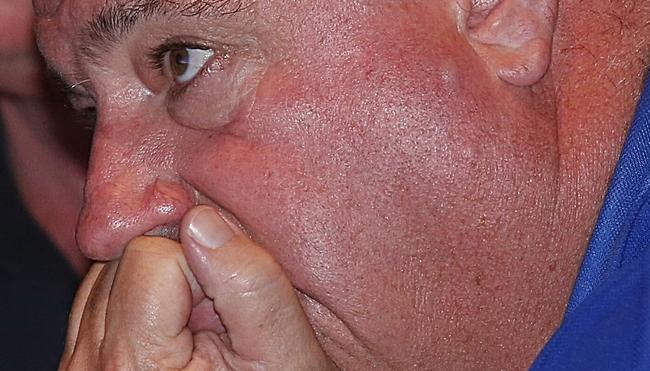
<point x="607" y="322"/>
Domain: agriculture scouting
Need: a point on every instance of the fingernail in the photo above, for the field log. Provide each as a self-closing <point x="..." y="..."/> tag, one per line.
<point x="208" y="229"/>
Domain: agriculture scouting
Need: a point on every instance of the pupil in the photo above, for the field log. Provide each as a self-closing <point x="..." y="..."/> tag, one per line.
<point x="180" y="61"/>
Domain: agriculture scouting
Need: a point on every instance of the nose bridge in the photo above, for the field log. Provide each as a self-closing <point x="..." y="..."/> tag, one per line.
<point x="131" y="187"/>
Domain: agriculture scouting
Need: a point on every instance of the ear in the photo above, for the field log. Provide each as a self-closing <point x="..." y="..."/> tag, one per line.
<point x="514" y="37"/>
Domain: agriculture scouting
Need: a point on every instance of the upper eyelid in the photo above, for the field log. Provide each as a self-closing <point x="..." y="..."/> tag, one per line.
<point x="156" y="55"/>
<point x="115" y="22"/>
<point x="157" y="58"/>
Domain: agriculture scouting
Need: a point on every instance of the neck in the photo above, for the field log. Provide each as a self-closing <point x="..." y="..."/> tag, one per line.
<point x="601" y="55"/>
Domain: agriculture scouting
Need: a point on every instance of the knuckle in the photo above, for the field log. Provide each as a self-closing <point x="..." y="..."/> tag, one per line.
<point x="257" y="274"/>
<point x="113" y="358"/>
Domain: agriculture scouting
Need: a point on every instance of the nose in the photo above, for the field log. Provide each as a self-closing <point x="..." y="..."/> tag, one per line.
<point x="131" y="188"/>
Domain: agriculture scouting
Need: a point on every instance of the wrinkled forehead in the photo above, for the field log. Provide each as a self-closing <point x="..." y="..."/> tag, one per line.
<point x="49" y="8"/>
<point x="69" y="30"/>
<point x="87" y="13"/>
<point x="64" y="24"/>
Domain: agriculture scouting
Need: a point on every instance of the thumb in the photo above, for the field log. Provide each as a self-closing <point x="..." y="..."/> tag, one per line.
<point x="252" y="296"/>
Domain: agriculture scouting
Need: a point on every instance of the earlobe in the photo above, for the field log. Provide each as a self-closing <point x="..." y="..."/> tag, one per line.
<point x="514" y="37"/>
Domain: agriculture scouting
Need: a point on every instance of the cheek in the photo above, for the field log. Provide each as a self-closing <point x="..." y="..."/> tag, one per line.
<point x="333" y="165"/>
<point x="367" y="171"/>
<point x="337" y="158"/>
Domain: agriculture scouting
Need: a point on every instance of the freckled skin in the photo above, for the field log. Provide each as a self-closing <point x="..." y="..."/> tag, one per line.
<point x="430" y="215"/>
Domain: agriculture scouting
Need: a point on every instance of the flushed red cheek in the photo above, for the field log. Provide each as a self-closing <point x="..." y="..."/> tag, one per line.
<point x="259" y="184"/>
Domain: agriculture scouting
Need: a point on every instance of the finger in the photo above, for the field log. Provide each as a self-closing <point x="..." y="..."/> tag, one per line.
<point x="92" y="323"/>
<point x="149" y="307"/>
<point x="254" y="299"/>
<point x="207" y="355"/>
<point x="204" y="318"/>
<point x="74" y="320"/>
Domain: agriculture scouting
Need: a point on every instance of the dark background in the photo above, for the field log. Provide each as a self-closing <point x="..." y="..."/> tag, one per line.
<point x="36" y="286"/>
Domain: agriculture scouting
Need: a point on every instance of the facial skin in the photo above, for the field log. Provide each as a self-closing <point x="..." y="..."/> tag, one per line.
<point x="430" y="212"/>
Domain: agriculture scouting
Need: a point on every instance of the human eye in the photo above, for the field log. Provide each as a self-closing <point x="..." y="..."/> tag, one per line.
<point x="203" y="82"/>
<point x="182" y="62"/>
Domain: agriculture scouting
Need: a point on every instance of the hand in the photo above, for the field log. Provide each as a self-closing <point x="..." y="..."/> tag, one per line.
<point x="20" y="64"/>
<point x="216" y="302"/>
<point x="47" y="149"/>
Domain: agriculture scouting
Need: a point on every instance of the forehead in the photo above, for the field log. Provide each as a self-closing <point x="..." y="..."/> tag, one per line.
<point x="45" y="8"/>
<point x="65" y="26"/>
<point x="116" y="13"/>
<point x="68" y="28"/>
<point x="75" y="14"/>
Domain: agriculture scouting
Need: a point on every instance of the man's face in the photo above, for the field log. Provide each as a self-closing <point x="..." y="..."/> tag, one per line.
<point x="363" y="143"/>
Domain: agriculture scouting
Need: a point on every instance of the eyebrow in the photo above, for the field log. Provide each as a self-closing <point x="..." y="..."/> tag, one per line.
<point x="115" y="21"/>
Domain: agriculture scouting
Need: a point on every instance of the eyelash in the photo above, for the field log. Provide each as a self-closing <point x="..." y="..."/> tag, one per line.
<point x="157" y="57"/>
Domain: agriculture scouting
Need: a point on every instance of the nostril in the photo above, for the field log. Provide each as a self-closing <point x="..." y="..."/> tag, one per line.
<point x="115" y="214"/>
<point x="170" y="231"/>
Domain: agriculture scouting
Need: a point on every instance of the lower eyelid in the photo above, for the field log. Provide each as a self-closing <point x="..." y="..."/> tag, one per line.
<point x="216" y="63"/>
<point x="216" y="99"/>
